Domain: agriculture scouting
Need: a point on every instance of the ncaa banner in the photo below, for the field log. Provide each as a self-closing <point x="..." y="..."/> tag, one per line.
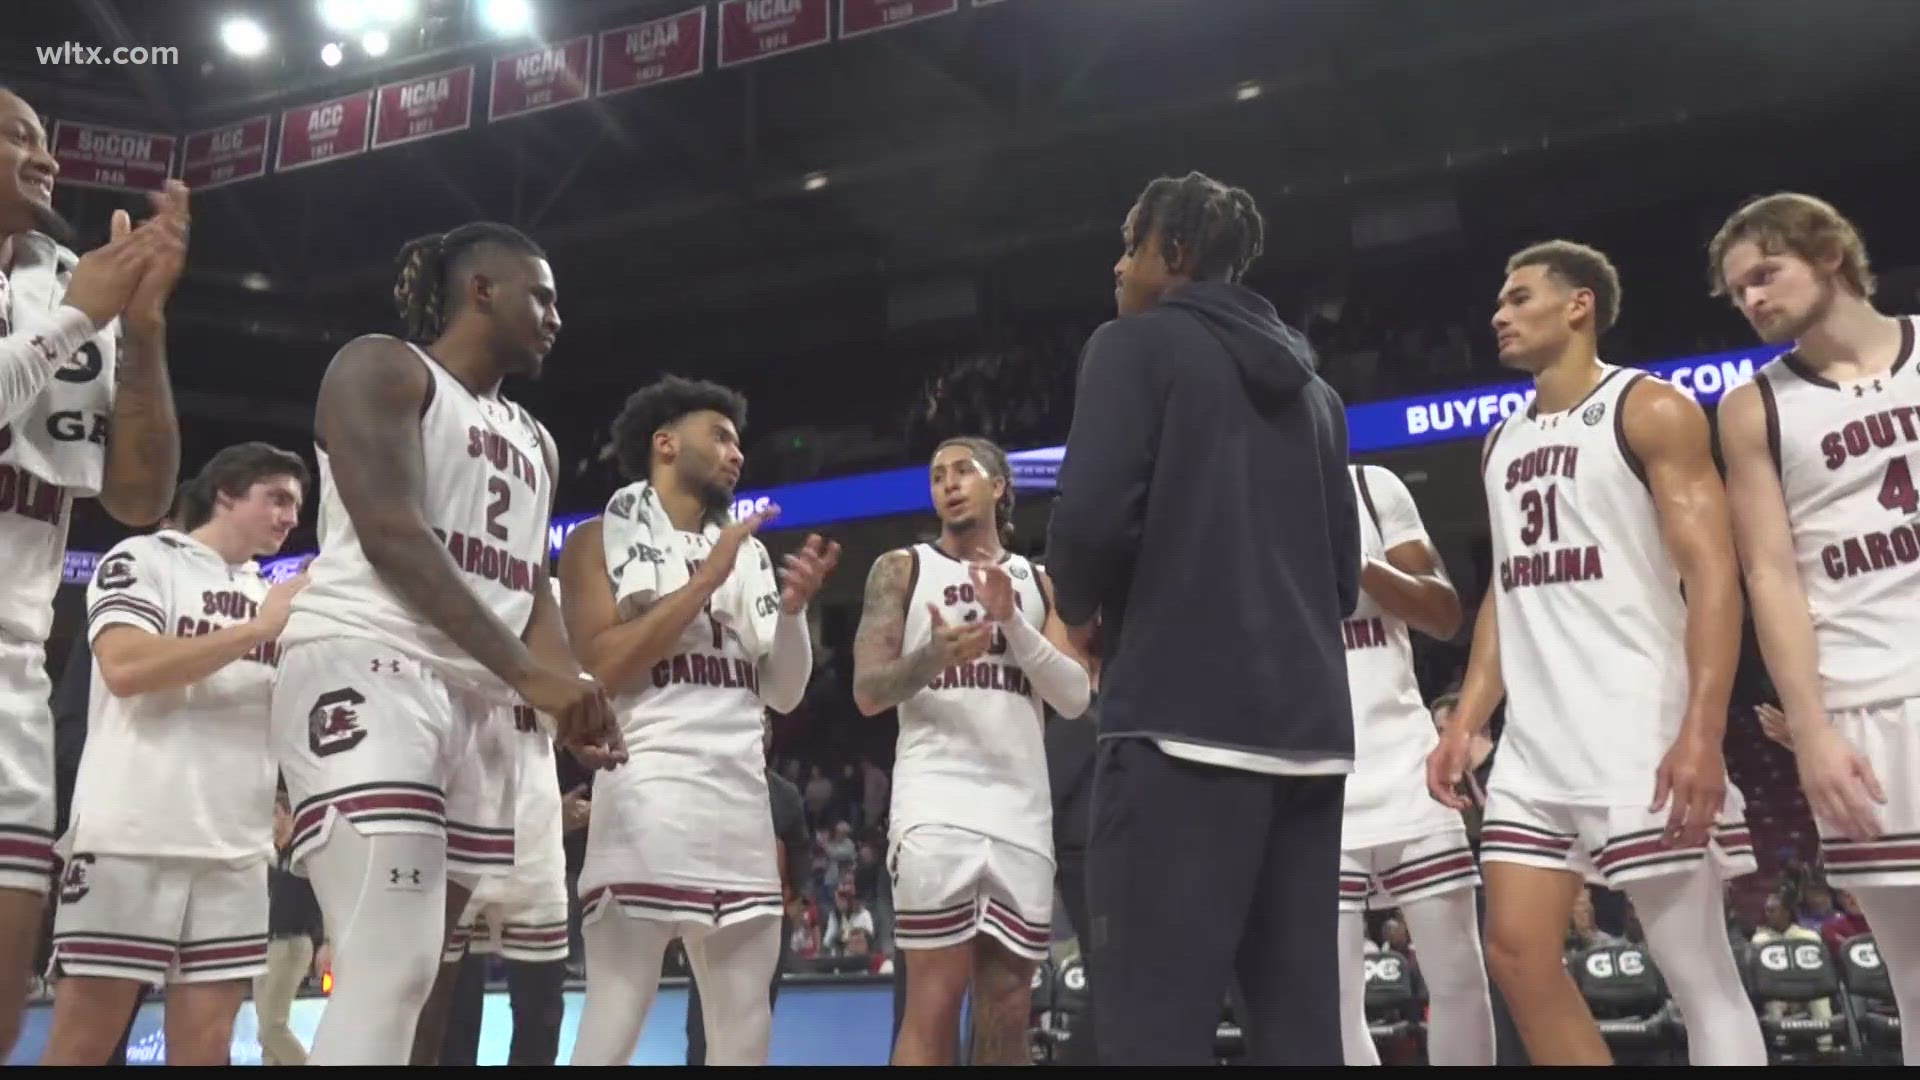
<point x="651" y="53"/>
<point x="537" y="79"/>
<point x="436" y="104"/>
<point x="756" y="29"/>
<point x="859" y="17"/>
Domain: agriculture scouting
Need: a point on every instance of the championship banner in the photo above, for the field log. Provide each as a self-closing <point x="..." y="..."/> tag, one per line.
<point x="436" y="104"/>
<point x="105" y="157"/>
<point x="536" y="79"/>
<point x="651" y="53"/>
<point x="859" y="17"/>
<point x="325" y="131"/>
<point x="756" y="29"/>
<point x="226" y="155"/>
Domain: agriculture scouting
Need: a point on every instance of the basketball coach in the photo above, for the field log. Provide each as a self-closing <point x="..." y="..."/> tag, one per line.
<point x="1205" y="539"/>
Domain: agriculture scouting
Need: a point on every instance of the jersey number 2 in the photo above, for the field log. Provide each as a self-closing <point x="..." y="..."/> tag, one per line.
<point x="1896" y="491"/>
<point x="502" y="498"/>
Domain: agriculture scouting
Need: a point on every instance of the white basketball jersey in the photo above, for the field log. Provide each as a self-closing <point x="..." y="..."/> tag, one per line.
<point x="1847" y="455"/>
<point x="183" y="773"/>
<point x="487" y="496"/>
<point x="1386" y="799"/>
<point x="1592" y="623"/>
<point x="697" y="756"/>
<point x="971" y="753"/>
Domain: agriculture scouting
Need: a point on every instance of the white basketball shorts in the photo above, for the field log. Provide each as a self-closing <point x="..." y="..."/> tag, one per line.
<point x="1608" y="845"/>
<point x="1409" y="870"/>
<point x="950" y="884"/>
<point x="26" y="768"/>
<point x="156" y="921"/>
<point x="366" y="734"/>
<point x="513" y="923"/>
<point x="1887" y="736"/>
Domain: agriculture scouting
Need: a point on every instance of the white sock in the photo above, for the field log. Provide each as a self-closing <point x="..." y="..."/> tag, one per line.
<point x="1446" y="936"/>
<point x="1355" y="1040"/>
<point x="734" y="967"/>
<point x="1684" y="916"/>
<point x="1893" y="913"/>
<point x="383" y="898"/>
<point x="623" y="973"/>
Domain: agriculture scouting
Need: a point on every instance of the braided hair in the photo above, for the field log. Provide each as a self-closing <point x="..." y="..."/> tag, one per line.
<point x="429" y="265"/>
<point x="1217" y="228"/>
<point x="994" y="459"/>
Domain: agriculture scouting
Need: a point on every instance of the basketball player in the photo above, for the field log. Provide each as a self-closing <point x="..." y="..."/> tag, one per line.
<point x="1396" y="842"/>
<point x="172" y="823"/>
<point x="676" y="608"/>
<point x="1819" y="451"/>
<point x="428" y="602"/>
<point x="82" y="353"/>
<point x="961" y="635"/>
<point x="1613" y="630"/>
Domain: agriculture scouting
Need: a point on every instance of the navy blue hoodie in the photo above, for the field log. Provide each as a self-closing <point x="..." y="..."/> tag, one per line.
<point x="1205" y="511"/>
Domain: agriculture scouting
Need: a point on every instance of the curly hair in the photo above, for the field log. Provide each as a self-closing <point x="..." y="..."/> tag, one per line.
<point x="1217" y="228"/>
<point x="429" y="265"/>
<point x="989" y="455"/>
<point x="653" y="407"/>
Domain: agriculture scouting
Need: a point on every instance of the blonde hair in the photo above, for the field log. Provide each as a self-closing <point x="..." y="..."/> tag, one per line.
<point x="1795" y="224"/>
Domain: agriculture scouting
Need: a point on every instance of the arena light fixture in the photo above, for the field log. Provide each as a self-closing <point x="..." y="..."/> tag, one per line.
<point x="389" y="12"/>
<point x="243" y="37"/>
<point x="1247" y="91"/>
<point x="815" y="181"/>
<point x="343" y="16"/>
<point x="374" y="43"/>
<point x="506" y="18"/>
<point x="331" y="54"/>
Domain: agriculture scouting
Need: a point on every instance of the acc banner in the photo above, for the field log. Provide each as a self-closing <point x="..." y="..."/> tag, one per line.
<point x="865" y="16"/>
<point x="756" y="29"/>
<point x="537" y="79"/>
<point x="226" y="155"/>
<point x="651" y="53"/>
<point x="104" y="157"/>
<point x="421" y="108"/>
<point x="325" y="131"/>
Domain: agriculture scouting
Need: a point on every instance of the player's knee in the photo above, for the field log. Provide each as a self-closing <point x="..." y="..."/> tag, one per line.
<point x="1516" y="959"/>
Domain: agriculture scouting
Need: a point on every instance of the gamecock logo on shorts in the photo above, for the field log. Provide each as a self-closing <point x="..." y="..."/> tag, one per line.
<point x="77" y="879"/>
<point x="333" y="724"/>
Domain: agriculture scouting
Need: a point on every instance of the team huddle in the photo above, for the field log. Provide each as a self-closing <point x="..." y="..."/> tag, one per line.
<point x="408" y="690"/>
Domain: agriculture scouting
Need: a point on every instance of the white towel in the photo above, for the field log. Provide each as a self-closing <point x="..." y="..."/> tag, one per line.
<point x="647" y="558"/>
<point x="81" y="390"/>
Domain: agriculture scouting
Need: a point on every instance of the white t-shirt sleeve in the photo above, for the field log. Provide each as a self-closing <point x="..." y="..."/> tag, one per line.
<point x="129" y="588"/>
<point x="1399" y="518"/>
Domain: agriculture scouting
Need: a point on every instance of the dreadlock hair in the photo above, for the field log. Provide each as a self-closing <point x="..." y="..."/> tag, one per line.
<point x="651" y="408"/>
<point x="233" y="472"/>
<point x="988" y="453"/>
<point x="1217" y="229"/>
<point x="431" y="265"/>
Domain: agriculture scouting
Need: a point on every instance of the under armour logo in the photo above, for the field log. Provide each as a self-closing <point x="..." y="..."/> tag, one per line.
<point x="1861" y="391"/>
<point x="393" y="666"/>
<point x="394" y="876"/>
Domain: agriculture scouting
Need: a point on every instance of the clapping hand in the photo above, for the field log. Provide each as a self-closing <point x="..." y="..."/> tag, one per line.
<point x="804" y="571"/>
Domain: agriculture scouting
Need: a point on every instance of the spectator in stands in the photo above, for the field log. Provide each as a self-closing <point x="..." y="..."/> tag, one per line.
<point x="842" y="855"/>
<point x="1848" y="922"/>
<point x="1780" y="926"/>
<point x="874" y="780"/>
<point x="859" y="943"/>
<point x="1816" y="906"/>
<point x="1393" y="935"/>
<point x="1582" y="932"/>
<point x="819" y="792"/>
<point x="867" y="872"/>
<point x="803" y="915"/>
<point x="849" y="914"/>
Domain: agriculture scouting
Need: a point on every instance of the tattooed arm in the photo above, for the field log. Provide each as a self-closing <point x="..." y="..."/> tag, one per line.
<point x="882" y="677"/>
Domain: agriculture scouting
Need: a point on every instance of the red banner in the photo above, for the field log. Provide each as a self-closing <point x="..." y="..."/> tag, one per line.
<point x="651" y="53"/>
<point x="537" y="79"/>
<point x="984" y="3"/>
<point x="865" y="16"/>
<point x="95" y="156"/>
<point x="325" y="131"/>
<point x="224" y="155"/>
<point x="756" y="29"/>
<point x="421" y="108"/>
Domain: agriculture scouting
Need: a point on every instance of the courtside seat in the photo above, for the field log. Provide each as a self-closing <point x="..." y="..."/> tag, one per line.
<point x="1628" y="998"/>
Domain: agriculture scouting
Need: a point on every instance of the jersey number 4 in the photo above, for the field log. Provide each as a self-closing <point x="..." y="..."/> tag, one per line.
<point x="1896" y="490"/>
